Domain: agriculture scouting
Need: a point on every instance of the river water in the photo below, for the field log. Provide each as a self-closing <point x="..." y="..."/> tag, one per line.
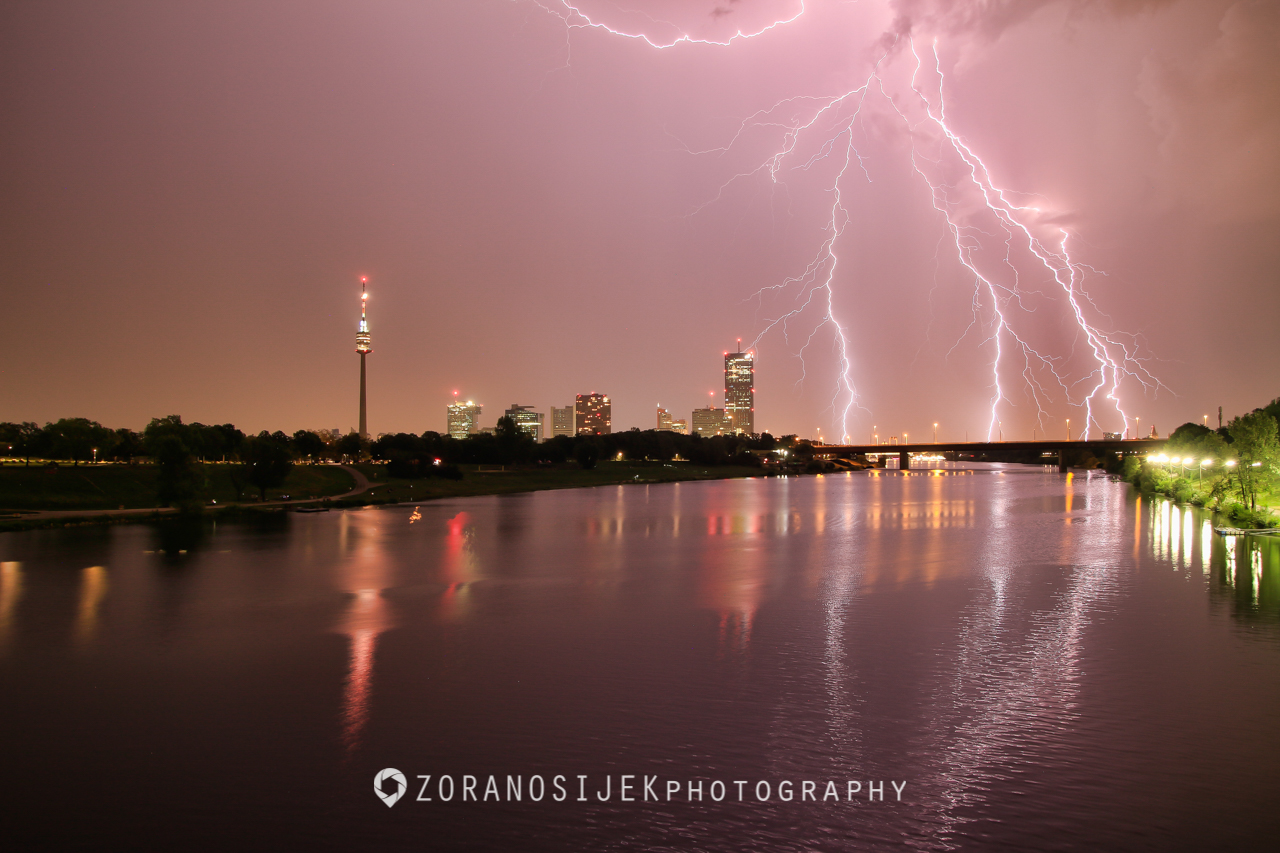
<point x="1012" y="658"/>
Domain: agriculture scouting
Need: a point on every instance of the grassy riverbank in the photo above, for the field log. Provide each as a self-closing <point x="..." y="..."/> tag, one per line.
<point x="95" y="489"/>
<point x="106" y="487"/>
<point x="486" y="480"/>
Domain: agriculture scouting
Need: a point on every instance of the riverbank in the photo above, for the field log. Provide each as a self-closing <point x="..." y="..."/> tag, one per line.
<point x="1214" y="493"/>
<point x="69" y="496"/>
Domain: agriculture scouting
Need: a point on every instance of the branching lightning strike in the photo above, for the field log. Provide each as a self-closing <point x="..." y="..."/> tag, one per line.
<point x="1115" y="359"/>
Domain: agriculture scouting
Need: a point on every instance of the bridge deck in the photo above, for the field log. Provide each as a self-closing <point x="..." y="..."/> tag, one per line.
<point x="904" y="451"/>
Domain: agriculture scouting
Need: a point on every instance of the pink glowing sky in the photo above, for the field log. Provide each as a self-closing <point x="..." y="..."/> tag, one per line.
<point x="193" y="191"/>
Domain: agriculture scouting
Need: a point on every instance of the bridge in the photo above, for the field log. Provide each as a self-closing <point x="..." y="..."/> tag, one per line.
<point x="1124" y="446"/>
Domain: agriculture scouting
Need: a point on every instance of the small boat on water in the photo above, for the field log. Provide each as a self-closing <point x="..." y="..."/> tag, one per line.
<point x="1239" y="531"/>
<point x="311" y="509"/>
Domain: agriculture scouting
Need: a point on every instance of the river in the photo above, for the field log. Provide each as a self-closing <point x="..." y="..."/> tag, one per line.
<point x="974" y="658"/>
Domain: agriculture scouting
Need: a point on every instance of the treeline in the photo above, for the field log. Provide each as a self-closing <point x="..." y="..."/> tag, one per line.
<point x="176" y="449"/>
<point x="79" y="440"/>
<point x="1234" y="469"/>
<point x="414" y="455"/>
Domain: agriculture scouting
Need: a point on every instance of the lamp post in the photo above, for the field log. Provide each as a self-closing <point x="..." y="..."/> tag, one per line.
<point x="95" y="456"/>
<point x="1068" y="429"/>
<point x="1204" y="462"/>
<point x="873" y="433"/>
<point x="935" y="433"/>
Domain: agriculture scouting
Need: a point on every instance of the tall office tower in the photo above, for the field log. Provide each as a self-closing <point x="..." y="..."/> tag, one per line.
<point x="527" y="419"/>
<point x="740" y="390"/>
<point x="667" y="424"/>
<point x="464" y="419"/>
<point x="364" y="347"/>
<point x="561" y="421"/>
<point x="592" y="414"/>
<point x="711" y="421"/>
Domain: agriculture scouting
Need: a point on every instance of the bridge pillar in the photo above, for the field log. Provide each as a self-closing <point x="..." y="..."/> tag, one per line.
<point x="1062" y="461"/>
<point x="904" y="460"/>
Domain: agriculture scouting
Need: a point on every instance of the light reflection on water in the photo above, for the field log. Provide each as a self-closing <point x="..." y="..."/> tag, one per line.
<point x="986" y="633"/>
<point x="1243" y="570"/>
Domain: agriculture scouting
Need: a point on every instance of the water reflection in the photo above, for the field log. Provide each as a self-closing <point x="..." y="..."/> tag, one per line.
<point x="10" y="592"/>
<point x="93" y="587"/>
<point x="1244" y="570"/>
<point x="458" y="566"/>
<point x="1011" y="680"/>
<point x="364" y="573"/>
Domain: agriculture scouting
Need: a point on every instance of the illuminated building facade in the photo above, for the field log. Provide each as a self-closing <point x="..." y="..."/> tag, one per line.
<point x="667" y="424"/>
<point x="464" y="419"/>
<point x="711" y="421"/>
<point x="561" y="421"/>
<point x="527" y="419"/>
<point x="740" y="390"/>
<point x="364" y="346"/>
<point x="593" y="415"/>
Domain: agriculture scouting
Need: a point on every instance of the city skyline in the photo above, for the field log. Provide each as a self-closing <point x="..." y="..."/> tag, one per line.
<point x="281" y="168"/>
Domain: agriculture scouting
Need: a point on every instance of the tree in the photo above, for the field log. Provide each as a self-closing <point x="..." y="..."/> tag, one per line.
<point x="512" y="444"/>
<point x="1257" y="448"/>
<point x="127" y="444"/>
<point x="267" y="461"/>
<point x="232" y="438"/>
<point x="587" y="452"/>
<point x="20" y="439"/>
<point x="308" y="444"/>
<point x="180" y="481"/>
<point x="351" y="445"/>
<point x="76" y="438"/>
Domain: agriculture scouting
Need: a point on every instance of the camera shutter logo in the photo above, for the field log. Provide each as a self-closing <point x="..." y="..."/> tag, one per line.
<point x="394" y="775"/>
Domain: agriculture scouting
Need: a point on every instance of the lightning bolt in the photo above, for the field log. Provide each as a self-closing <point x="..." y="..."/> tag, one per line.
<point x="998" y="304"/>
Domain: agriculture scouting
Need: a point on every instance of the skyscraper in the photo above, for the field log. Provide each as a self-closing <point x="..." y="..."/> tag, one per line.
<point x="527" y="419"/>
<point x="667" y="424"/>
<point x="740" y="390"/>
<point x="593" y="415"/>
<point x="364" y="347"/>
<point x="464" y="419"/>
<point x="711" y="421"/>
<point x="561" y="421"/>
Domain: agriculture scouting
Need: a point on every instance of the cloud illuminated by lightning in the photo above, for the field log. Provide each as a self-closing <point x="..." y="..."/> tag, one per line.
<point x="970" y="202"/>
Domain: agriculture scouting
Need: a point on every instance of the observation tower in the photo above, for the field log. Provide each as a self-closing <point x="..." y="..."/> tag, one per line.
<point x="364" y="347"/>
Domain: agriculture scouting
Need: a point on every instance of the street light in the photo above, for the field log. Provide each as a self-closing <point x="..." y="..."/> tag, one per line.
<point x="1068" y="429"/>
<point x="935" y="433"/>
<point x="1204" y="462"/>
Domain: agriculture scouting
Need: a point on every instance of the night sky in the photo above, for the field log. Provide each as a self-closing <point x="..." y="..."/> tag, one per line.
<point x="546" y="208"/>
